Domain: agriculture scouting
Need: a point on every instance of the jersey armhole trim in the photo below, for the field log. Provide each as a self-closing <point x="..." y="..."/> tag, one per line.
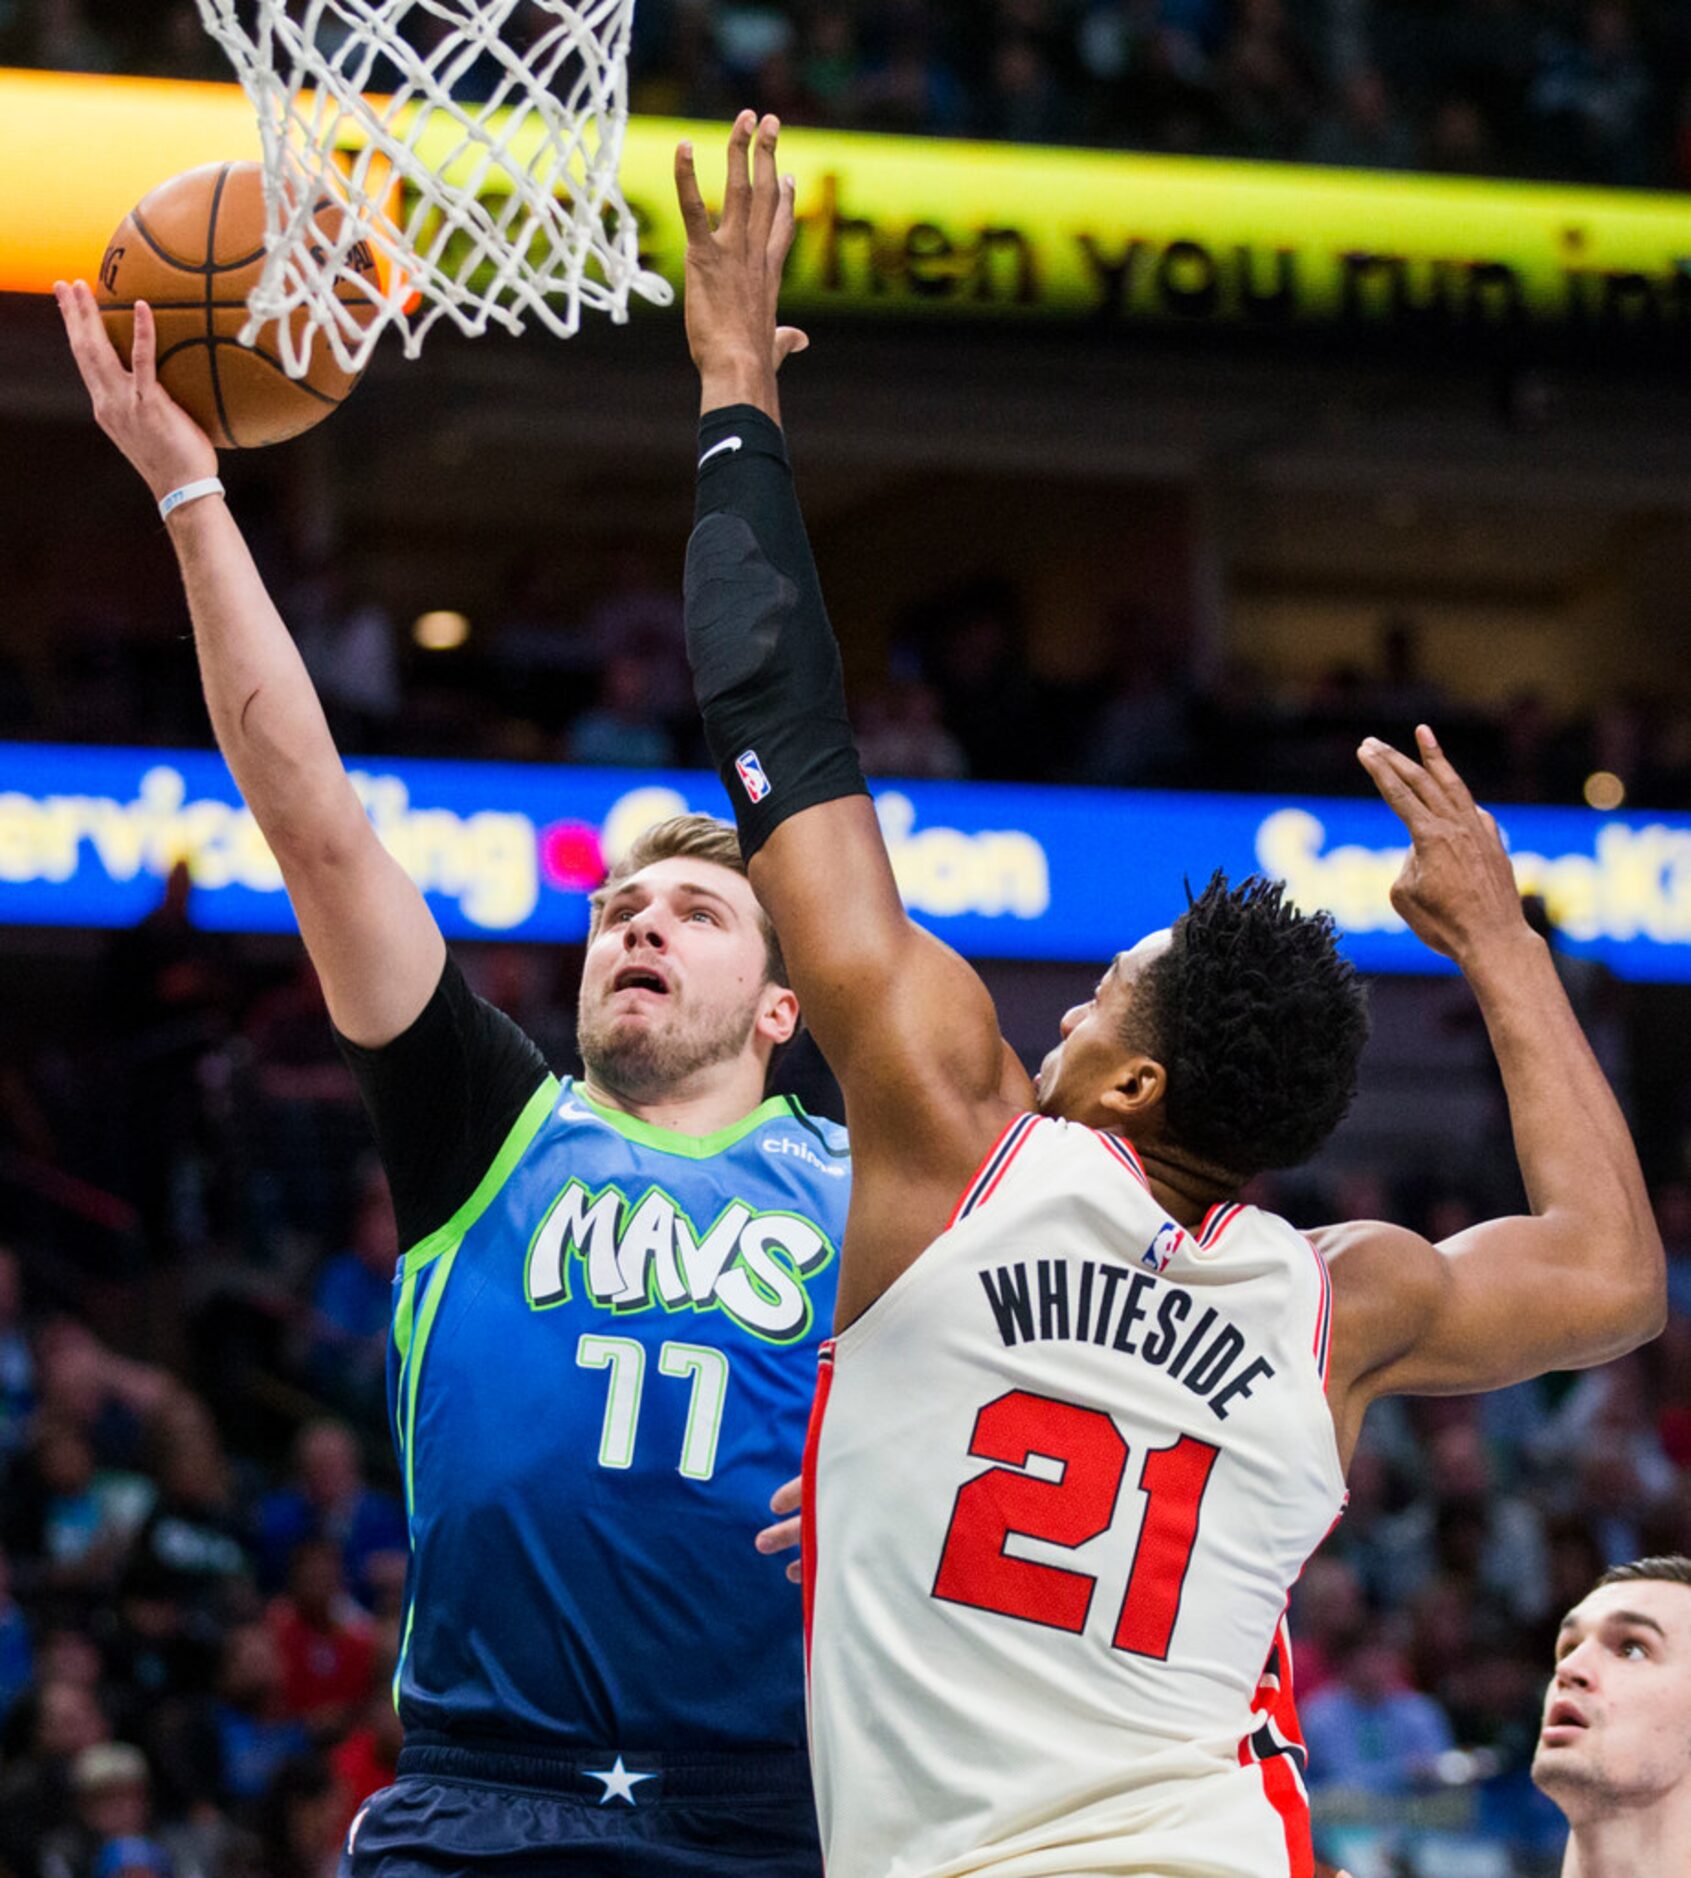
<point x="993" y="1169"/>
<point x="511" y="1151"/>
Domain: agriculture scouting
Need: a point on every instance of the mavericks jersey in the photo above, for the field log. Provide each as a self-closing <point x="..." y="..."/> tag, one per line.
<point x="1062" y="1475"/>
<point x="600" y="1370"/>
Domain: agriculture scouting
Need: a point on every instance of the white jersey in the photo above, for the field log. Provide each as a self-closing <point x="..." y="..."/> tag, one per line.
<point x="1061" y="1478"/>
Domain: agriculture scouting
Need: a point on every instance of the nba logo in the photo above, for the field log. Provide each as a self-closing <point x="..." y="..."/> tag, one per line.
<point x="1158" y="1253"/>
<point x="752" y="778"/>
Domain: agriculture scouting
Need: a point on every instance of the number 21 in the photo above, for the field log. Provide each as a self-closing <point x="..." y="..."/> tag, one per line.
<point x="974" y="1568"/>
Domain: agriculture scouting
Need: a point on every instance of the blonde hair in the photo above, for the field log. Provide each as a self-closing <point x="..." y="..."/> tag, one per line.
<point x="691" y="838"/>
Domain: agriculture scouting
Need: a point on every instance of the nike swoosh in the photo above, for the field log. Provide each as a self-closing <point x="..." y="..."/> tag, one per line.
<point x="716" y="449"/>
<point x="574" y="1112"/>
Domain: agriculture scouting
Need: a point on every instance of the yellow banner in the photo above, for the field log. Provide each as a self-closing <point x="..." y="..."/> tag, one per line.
<point x="916" y="226"/>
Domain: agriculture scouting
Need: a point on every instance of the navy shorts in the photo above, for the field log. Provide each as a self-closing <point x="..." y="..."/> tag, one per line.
<point x="457" y="1810"/>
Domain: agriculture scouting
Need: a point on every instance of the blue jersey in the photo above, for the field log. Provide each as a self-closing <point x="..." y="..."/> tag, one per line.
<point x="601" y="1368"/>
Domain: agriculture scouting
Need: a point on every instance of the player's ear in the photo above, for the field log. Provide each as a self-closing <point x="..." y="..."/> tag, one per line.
<point x="778" y="1017"/>
<point x="1141" y="1086"/>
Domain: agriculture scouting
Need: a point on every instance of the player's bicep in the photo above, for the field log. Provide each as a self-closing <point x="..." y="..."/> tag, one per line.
<point x="1501" y="1302"/>
<point x="371" y="936"/>
<point x="890" y="1006"/>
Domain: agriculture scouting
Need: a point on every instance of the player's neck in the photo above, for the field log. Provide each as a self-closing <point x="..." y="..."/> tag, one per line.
<point x="1641" y="1844"/>
<point x="1185" y="1189"/>
<point x="704" y="1104"/>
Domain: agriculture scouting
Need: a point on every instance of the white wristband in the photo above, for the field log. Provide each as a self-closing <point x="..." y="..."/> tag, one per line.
<point x="190" y="492"/>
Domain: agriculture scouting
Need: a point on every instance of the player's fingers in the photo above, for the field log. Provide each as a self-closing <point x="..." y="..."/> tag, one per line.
<point x="101" y="369"/>
<point x="695" y="217"/>
<point x="785" y="225"/>
<point x="781" y="1538"/>
<point x="766" y="181"/>
<point x="143" y="349"/>
<point x="789" y="1496"/>
<point x="737" y="202"/>
<point x="1440" y="768"/>
<point x="795" y="1572"/>
<point x="1387" y="769"/>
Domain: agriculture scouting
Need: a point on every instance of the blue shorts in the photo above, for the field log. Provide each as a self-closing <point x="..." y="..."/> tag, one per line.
<point x="456" y="1810"/>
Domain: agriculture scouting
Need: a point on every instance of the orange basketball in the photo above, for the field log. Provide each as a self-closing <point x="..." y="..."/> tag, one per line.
<point x="193" y="249"/>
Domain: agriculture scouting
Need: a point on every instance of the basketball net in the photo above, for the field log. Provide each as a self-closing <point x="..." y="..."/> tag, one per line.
<point x="471" y="148"/>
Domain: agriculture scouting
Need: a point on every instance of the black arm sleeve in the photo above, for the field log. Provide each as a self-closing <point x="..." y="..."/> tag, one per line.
<point x="442" y="1098"/>
<point x="766" y="669"/>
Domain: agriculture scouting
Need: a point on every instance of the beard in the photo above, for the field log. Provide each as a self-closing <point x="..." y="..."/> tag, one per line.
<point x="646" y="1062"/>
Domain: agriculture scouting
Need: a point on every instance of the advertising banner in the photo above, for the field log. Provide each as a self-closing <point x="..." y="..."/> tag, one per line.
<point x="507" y="851"/>
<point x="921" y="226"/>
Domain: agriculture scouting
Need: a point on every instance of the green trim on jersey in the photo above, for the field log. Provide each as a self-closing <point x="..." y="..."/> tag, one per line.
<point x="512" y="1150"/>
<point x="689" y="1147"/>
<point x="441" y="1246"/>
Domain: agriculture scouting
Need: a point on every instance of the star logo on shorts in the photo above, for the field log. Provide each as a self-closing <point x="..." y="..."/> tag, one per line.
<point x="619" y="1782"/>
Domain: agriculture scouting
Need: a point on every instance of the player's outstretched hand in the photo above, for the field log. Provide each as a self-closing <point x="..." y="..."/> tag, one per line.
<point x="1457" y="890"/>
<point x="132" y="407"/>
<point x="785" y="1535"/>
<point x="733" y="270"/>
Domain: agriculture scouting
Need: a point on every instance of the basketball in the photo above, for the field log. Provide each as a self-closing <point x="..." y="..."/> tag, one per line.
<point x="193" y="249"/>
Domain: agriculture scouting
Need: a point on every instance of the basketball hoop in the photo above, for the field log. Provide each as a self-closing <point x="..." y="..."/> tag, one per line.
<point x="472" y="147"/>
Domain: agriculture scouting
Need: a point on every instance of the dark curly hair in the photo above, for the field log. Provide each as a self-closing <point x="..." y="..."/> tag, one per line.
<point x="1259" y="1022"/>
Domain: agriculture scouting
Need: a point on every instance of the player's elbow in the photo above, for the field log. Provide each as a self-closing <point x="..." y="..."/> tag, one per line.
<point x="1636" y="1294"/>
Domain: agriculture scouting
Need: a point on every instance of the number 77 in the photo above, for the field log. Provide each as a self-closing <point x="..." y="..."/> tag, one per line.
<point x="625" y="1358"/>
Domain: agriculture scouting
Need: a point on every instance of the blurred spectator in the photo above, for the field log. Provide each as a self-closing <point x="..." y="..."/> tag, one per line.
<point x="1329" y="1617"/>
<point x="191" y="1552"/>
<point x="368" y="1758"/>
<point x="17" y="1654"/>
<point x="44" y="1734"/>
<point x="113" y="1831"/>
<point x="229" y="1747"/>
<point x="1591" y="98"/>
<point x="325" y="1640"/>
<point x="1264" y="95"/>
<point x="899" y="733"/>
<point x="17" y="1360"/>
<point x="298" y="1822"/>
<point x="352" y="1307"/>
<point x="330" y="1500"/>
<point x="1369" y="1732"/>
<point x="1491" y="1541"/>
<point x="1366" y="132"/>
<point x="72" y="1517"/>
<point x="624" y="729"/>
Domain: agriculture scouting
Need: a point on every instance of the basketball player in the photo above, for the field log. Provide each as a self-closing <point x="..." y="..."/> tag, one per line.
<point x="605" y="1327"/>
<point x="1615" y="1750"/>
<point x="1086" y="1415"/>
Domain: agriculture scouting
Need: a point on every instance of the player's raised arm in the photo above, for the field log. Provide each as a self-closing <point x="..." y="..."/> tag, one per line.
<point x="898" y="1015"/>
<point x="371" y="936"/>
<point x="1580" y="1280"/>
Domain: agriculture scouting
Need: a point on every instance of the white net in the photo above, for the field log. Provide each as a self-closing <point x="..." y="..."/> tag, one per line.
<point x="429" y="159"/>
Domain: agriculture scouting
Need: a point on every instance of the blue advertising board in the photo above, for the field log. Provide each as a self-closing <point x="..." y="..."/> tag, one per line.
<point x="508" y="851"/>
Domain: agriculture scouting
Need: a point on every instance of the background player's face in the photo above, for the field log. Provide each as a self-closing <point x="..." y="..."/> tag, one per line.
<point x="1617" y="1714"/>
<point x="1097" y="1046"/>
<point x="676" y="980"/>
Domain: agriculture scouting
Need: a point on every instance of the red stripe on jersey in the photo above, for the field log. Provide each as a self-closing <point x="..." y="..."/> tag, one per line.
<point x="995" y="1167"/>
<point x="1276" y="1706"/>
<point x="1280" y="1783"/>
<point x="1123" y="1151"/>
<point x="971" y="1194"/>
<point x="1216" y="1221"/>
<point x="1324" y="1315"/>
<point x="807" y="1511"/>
